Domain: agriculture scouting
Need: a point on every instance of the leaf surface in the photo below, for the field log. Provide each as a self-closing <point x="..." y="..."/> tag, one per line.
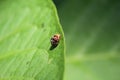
<point x="26" y="27"/>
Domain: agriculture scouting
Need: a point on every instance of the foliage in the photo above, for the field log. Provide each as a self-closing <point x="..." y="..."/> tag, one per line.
<point x="92" y="30"/>
<point x="26" y="27"/>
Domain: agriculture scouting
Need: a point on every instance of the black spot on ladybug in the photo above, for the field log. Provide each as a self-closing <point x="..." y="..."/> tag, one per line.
<point x="55" y="41"/>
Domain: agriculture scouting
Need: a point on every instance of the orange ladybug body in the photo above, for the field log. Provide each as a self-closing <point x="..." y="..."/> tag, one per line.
<point x="55" y="40"/>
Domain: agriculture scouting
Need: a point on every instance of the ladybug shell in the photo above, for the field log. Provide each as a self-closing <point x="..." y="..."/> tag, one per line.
<point x="55" y="40"/>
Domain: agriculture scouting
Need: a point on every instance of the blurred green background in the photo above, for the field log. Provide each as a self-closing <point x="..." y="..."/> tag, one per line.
<point x="92" y="31"/>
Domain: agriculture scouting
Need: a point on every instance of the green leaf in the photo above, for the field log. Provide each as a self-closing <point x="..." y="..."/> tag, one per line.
<point x="92" y="29"/>
<point x="26" y="27"/>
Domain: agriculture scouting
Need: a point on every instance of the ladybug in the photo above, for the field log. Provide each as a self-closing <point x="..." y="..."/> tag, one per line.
<point x="55" y="41"/>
